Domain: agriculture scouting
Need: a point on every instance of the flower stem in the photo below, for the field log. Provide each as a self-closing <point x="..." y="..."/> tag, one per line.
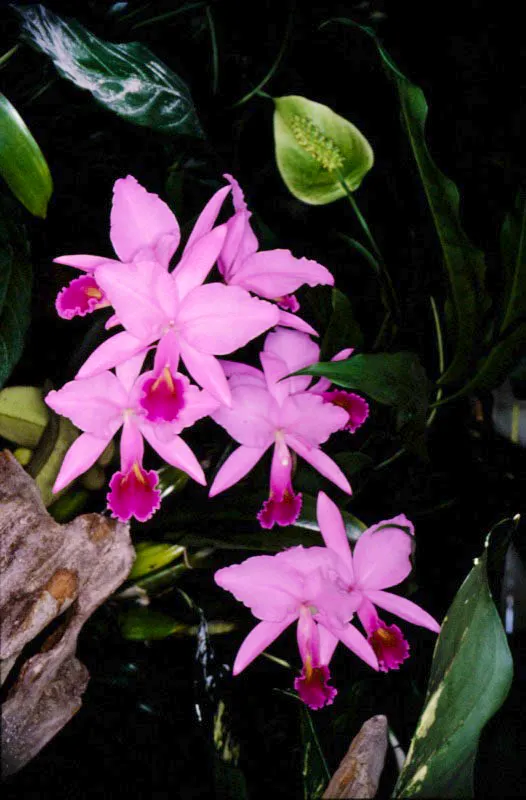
<point x="272" y="70"/>
<point x="391" y="301"/>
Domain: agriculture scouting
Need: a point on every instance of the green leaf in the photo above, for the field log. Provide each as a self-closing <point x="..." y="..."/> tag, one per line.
<point x="151" y="556"/>
<point x="15" y="291"/>
<point x="470" y="677"/>
<point x="395" y="379"/>
<point x="22" y="165"/>
<point x="49" y="455"/>
<point x="513" y="250"/>
<point x="353" y="463"/>
<point x="464" y="263"/>
<point x="317" y="149"/>
<point x="142" y="623"/>
<point x="315" y="772"/>
<point x="128" y="79"/>
<point x="343" y="330"/>
<point x="23" y="415"/>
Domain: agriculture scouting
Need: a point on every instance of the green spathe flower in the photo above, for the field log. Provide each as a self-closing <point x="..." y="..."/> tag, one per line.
<point x="317" y="150"/>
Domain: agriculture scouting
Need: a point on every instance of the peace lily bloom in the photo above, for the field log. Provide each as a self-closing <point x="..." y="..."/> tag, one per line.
<point x="156" y="405"/>
<point x="271" y="274"/>
<point x="142" y="228"/>
<point x="297" y="585"/>
<point x="269" y="412"/>
<point x="380" y="560"/>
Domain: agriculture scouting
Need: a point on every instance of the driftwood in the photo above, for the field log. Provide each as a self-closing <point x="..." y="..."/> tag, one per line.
<point x="360" y="769"/>
<point x="47" y="571"/>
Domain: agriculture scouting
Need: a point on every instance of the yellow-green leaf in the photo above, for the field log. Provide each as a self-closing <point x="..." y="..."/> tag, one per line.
<point x="23" y="415"/>
<point x="22" y="164"/>
<point x="317" y="151"/>
<point x="151" y="556"/>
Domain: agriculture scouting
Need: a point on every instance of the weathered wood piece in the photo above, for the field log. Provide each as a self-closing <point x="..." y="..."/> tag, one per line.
<point x="360" y="769"/>
<point x="47" y="570"/>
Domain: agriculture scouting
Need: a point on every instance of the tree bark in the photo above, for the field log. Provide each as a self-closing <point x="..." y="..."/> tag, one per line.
<point x="360" y="769"/>
<point x="47" y="571"/>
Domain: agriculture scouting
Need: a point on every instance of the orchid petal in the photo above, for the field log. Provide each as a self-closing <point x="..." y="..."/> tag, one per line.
<point x="274" y="369"/>
<point x="355" y="641"/>
<point x="129" y="370"/>
<point x="328" y="644"/>
<point x="272" y="591"/>
<point x="236" y="466"/>
<point x="307" y="417"/>
<point x="321" y="462"/>
<point x="257" y="641"/>
<point x="206" y="370"/>
<point x="132" y="292"/>
<point x="139" y="219"/>
<point x="403" y="608"/>
<point x="167" y="353"/>
<point x="382" y="557"/>
<point x="198" y="260"/>
<point x="80" y="457"/>
<point x="296" y="350"/>
<point x="333" y="530"/>
<point x="111" y="322"/>
<point x="243" y="372"/>
<point x="93" y="404"/>
<point x="248" y="418"/>
<point x="80" y="297"/>
<point x="85" y="263"/>
<point x="132" y="445"/>
<point x="274" y="273"/>
<point x="176" y="452"/>
<point x="113" y="351"/>
<point x="207" y="217"/>
<point x="292" y="321"/>
<point x="207" y="313"/>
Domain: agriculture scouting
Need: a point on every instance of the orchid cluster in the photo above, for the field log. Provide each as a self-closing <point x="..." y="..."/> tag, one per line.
<point x="172" y="319"/>
<point x="322" y="588"/>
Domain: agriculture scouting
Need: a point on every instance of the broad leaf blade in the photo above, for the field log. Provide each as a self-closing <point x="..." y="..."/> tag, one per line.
<point x="23" y="415"/>
<point x="470" y="678"/>
<point x="15" y="292"/>
<point x="513" y="250"/>
<point x="395" y="379"/>
<point x="343" y="330"/>
<point x="128" y="79"/>
<point x="22" y="165"/>
<point x="464" y="262"/>
<point x="316" y="149"/>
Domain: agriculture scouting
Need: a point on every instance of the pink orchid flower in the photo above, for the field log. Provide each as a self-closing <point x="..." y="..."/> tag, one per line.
<point x="271" y="274"/>
<point x="298" y="584"/>
<point x="267" y="411"/>
<point x="158" y="405"/>
<point x="380" y="560"/>
<point x="196" y="322"/>
<point x="142" y="228"/>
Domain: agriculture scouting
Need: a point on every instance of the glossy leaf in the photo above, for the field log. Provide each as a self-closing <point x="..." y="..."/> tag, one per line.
<point x="464" y="262"/>
<point x="15" y="291"/>
<point x="343" y="330"/>
<point x="315" y="772"/>
<point x="23" y="415"/>
<point x="395" y="379"/>
<point x="49" y="455"/>
<point x="151" y="556"/>
<point x="128" y="79"/>
<point x="142" y="623"/>
<point x="470" y="677"/>
<point x="316" y="150"/>
<point x="22" y="164"/>
<point x="513" y="251"/>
